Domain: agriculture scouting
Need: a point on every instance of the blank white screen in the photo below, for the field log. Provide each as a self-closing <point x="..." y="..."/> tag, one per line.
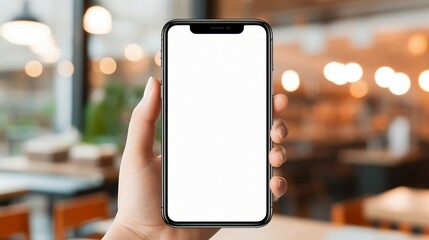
<point x="217" y="106"/>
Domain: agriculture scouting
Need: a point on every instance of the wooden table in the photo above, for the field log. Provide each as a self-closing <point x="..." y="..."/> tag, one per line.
<point x="55" y="180"/>
<point x="400" y="205"/>
<point x="11" y="190"/>
<point x="378" y="170"/>
<point x="50" y="185"/>
<point x="23" y="165"/>
<point x="290" y="228"/>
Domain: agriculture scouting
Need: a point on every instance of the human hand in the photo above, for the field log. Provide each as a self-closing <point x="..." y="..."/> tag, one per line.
<point x="139" y="194"/>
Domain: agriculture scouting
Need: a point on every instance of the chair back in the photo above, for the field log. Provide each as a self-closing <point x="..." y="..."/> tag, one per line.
<point x="349" y="212"/>
<point x="73" y="213"/>
<point x="14" y="219"/>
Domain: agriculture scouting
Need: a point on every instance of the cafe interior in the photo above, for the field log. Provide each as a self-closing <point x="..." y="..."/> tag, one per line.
<point x="356" y="73"/>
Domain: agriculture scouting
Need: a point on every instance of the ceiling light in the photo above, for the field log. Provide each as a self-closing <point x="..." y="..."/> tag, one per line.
<point x="25" y="29"/>
<point x="97" y="20"/>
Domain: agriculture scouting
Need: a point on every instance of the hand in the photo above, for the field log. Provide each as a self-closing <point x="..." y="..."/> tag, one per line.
<point x="139" y="194"/>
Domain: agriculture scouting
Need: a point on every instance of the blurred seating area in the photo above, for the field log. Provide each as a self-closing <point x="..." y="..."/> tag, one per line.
<point x="356" y="74"/>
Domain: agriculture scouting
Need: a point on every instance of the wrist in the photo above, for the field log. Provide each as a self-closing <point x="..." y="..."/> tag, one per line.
<point x="120" y="231"/>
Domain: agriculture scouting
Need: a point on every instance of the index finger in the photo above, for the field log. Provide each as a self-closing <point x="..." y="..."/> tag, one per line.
<point x="280" y="102"/>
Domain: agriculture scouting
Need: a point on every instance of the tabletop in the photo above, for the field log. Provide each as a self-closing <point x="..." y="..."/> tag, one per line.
<point x="24" y="165"/>
<point x="49" y="184"/>
<point x="281" y="228"/>
<point x="377" y="157"/>
<point x="10" y="190"/>
<point x="400" y="205"/>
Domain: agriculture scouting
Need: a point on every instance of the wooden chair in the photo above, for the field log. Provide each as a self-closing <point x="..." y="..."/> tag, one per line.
<point x="349" y="212"/>
<point x="14" y="220"/>
<point x="74" y="213"/>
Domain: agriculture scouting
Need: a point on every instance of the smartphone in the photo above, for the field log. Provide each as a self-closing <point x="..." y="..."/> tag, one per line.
<point x="216" y="119"/>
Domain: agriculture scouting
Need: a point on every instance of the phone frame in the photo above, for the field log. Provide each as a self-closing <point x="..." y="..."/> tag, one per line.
<point x="164" y="81"/>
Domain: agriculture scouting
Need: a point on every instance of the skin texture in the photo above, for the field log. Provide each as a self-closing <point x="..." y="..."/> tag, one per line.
<point x="139" y="208"/>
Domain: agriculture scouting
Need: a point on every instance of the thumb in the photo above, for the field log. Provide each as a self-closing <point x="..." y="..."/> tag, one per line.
<point x="141" y="130"/>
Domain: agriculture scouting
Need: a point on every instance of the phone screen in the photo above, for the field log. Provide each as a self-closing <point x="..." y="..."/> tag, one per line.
<point x="217" y="128"/>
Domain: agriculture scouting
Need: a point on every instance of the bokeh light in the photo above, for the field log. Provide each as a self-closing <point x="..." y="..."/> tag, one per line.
<point x="383" y="76"/>
<point x="341" y="74"/>
<point x="107" y="65"/>
<point x="331" y="70"/>
<point x="33" y="68"/>
<point x="424" y="80"/>
<point x="358" y="89"/>
<point x="400" y="85"/>
<point x="65" y="68"/>
<point x="354" y="72"/>
<point x="290" y="80"/>
<point x="417" y="44"/>
<point x="97" y="20"/>
<point x="133" y="52"/>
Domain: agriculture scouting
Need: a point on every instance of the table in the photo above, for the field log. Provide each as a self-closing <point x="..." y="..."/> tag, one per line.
<point x="400" y="205"/>
<point x="281" y="228"/>
<point x="20" y="164"/>
<point x="56" y="180"/>
<point x="378" y="170"/>
<point x="10" y="190"/>
<point x="51" y="185"/>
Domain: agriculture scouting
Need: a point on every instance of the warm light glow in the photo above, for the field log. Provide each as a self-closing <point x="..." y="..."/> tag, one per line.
<point x="340" y="74"/>
<point x="331" y="70"/>
<point x="157" y="58"/>
<point x="65" y="68"/>
<point x="41" y="48"/>
<point x="354" y="72"/>
<point x="48" y="51"/>
<point x="383" y="76"/>
<point x="400" y="85"/>
<point x="417" y="44"/>
<point x="97" y="20"/>
<point x="33" y="68"/>
<point x="358" y="89"/>
<point x="107" y="65"/>
<point x="290" y="80"/>
<point x="133" y="52"/>
<point x="424" y="80"/>
<point x="52" y="56"/>
<point x="25" y="32"/>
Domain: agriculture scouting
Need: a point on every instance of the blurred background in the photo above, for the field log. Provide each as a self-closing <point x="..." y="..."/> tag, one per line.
<point x="356" y="73"/>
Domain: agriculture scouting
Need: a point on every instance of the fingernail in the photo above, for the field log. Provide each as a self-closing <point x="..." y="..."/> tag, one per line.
<point x="281" y="133"/>
<point x="281" y="155"/>
<point x="280" y="183"/>
<point x="148" y="87"/>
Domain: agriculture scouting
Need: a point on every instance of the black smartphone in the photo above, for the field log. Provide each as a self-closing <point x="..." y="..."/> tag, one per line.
<point x="216" y="119"/>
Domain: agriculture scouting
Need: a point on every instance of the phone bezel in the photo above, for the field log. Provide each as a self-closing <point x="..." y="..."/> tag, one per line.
<point x="164" y="69"/>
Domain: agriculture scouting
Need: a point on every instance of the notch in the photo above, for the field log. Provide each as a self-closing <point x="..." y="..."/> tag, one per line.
<point x="217" y="28"/>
